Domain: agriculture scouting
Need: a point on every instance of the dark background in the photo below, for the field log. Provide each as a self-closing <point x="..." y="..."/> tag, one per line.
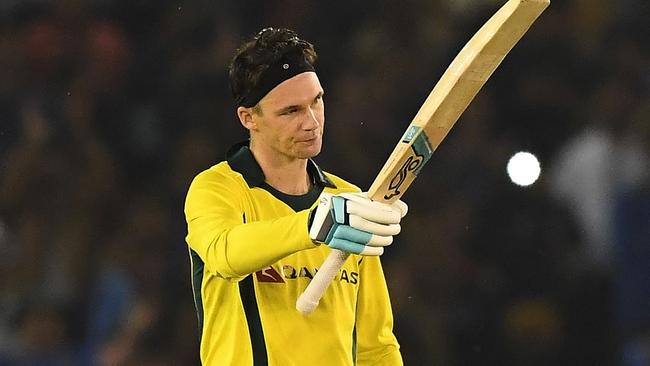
<point x="108" y="108"/>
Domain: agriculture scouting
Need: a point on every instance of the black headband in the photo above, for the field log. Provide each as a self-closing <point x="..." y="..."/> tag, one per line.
<point x="288" y="66"/>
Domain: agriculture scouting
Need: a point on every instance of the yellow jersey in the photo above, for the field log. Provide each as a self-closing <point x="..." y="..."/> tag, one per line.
<point x="251" y="257"/>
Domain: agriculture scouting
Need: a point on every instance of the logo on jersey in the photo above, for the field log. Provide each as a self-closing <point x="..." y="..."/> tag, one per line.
<point x="269" y="274"/>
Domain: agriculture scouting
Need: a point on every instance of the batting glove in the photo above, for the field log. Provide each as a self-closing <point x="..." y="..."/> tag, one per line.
<point x="351" y="222"/>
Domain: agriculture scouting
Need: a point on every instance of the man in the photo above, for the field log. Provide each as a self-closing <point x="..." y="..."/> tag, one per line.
<point x="262" y="222"/>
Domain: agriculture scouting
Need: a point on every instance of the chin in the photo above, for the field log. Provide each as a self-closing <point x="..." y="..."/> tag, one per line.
<point x="306" y="152"/>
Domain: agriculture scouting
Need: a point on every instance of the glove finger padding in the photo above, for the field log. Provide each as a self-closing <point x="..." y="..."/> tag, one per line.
<point x="356" y="248"/>
<point x="360" y="223"/>
<point x="349" y="233"/>
<point x="401" y="206"/>
<point x="379" y="212"/>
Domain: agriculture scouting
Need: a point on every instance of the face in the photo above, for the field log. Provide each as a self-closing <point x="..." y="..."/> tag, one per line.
<point x="291" y="118"/>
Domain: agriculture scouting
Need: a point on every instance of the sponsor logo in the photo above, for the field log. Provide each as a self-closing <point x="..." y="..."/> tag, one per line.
<point x="269" y="274"/>
<point x="288" y="272"/>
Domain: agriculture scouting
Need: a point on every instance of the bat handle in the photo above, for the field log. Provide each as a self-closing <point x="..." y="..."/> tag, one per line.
<point x="308" y="301"/>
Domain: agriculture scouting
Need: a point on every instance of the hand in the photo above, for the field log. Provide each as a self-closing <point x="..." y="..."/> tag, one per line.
<point x="351" y="222"/>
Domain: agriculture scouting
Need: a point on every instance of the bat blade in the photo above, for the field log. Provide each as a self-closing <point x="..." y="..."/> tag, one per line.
<point x="449" y="98"/>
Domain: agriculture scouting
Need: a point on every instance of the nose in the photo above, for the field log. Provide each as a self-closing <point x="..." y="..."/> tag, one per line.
<point x="311" y="120"/>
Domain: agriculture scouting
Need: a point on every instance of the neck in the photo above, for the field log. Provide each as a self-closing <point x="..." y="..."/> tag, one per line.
<point x="287" y="175"/>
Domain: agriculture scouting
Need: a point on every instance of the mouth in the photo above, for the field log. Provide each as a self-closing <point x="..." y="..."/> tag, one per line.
<point x="308" y="141"/>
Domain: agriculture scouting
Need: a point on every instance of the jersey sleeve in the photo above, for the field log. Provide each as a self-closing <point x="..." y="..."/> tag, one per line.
<point x="376" y="343"/>
<point x="229" y="247"/>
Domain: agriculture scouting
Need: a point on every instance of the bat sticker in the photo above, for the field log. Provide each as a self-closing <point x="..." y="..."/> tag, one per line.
<point x="422" y="151"/>
<point x="412" y="163"/>
<point x="410" y="133"/>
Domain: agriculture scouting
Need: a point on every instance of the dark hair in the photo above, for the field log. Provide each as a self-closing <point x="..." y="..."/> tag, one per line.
<point x="265" y="49"/>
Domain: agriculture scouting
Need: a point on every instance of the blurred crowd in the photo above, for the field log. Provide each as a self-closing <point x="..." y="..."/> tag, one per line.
<point x="108" y="108"/>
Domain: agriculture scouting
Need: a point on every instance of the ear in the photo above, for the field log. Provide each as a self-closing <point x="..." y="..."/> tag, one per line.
<point x="246" y="118"/>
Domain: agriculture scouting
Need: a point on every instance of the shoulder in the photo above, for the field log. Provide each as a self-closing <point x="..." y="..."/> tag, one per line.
<point x="218" y="176"/>
<point x="218" y="185"/>
<point x="221" y="172"/>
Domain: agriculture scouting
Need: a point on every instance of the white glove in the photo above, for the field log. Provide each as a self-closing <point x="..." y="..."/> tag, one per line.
<point x="351" y="222"/>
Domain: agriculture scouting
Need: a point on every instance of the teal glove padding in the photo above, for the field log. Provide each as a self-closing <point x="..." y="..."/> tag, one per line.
<point x="351" y="222"/>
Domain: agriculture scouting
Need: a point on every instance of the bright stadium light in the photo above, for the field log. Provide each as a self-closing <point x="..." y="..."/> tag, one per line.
<point x="523" y="168"/>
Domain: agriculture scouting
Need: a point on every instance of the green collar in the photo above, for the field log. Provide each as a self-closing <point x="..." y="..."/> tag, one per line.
<point x="241" y="159"/>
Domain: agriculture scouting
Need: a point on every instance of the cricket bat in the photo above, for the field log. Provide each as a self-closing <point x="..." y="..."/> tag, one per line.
<point x="462" y="80"/>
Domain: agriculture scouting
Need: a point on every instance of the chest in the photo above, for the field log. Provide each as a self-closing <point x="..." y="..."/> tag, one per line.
<point x="279" y="285"/>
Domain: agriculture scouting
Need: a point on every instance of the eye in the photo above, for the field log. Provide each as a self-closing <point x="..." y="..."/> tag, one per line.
<point x="290" y="111"/>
